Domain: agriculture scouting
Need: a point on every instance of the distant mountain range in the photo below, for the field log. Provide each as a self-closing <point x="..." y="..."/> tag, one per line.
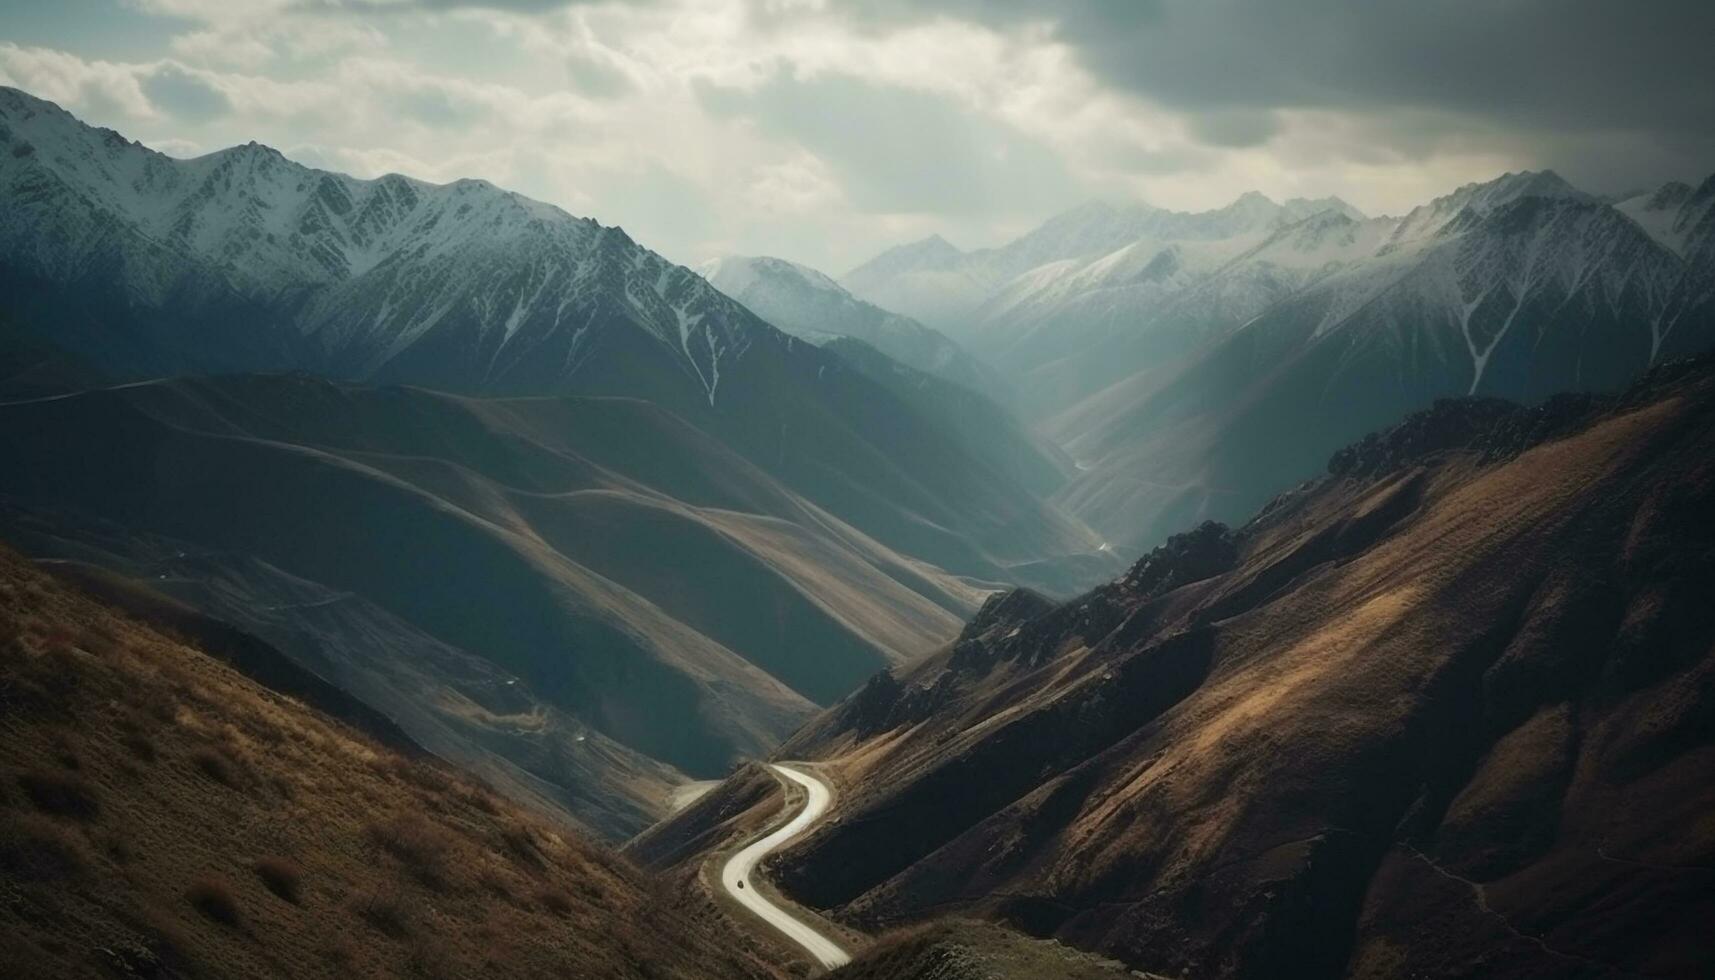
<point x="976" y="295"/>
<point x="1195" y="364"/>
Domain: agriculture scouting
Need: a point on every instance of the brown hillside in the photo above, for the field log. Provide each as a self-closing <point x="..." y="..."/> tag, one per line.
<point x="162" y="815"/>
<point x="1447" y="714"/>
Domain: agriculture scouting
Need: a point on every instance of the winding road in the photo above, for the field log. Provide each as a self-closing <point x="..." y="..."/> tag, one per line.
<point x="735" y="875"/>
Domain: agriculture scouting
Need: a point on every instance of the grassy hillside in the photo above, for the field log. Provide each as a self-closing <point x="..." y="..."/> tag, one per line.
<point x="163" y="815"/>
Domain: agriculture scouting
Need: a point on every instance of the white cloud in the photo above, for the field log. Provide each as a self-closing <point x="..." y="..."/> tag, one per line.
<point x="173" y="147"/>
<point x="105" y="90"/>
<point x="760" y="126"/>
<point x="224" y="48"/>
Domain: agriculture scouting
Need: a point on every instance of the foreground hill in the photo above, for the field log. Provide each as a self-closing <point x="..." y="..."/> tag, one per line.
<point x="162" y="815"/>
<point x="1445" y="712"/>
<point x="243" y="260"/>
<point x="584" y="599"/>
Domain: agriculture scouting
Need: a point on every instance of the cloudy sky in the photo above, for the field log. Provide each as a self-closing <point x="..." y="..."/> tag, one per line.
<point x="825" y="131"/>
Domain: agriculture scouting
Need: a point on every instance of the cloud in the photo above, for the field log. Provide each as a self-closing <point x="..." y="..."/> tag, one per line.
<point x="182" y="148"/>
<point x="185" y="94"/>
<point x="599" y="73"/>
<point x="1548" y="68"/>
<point x="1235" y="127"/>
<point x="106" y="91"/>
<point x="897" y="150"/>
<point x="234" y="48"/>
<point x="825" y="130"/>
<point x="399" y="6"/>
<point x="251" y="43"/>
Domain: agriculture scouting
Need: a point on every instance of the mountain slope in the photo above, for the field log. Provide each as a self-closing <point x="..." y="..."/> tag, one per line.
<point x="942" y="383"/>
<point x="490" y="572"/>
<point x="1444" y="712"/>
<point x="808" y="304"/>
<point x="244" y="260"/>
<point x="985" y="429"/>
<point x="163" y="815"/>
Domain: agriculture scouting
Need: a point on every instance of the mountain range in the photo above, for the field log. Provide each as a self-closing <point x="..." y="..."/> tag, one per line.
<point x="1196" y="364"/>
<point x="242" y="260"/>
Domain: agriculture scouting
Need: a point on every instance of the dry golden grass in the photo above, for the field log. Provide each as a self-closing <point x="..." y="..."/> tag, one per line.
<point x="161" y="813"/>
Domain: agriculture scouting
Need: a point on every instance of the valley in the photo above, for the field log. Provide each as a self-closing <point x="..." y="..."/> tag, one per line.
<point x="407" y="570"/>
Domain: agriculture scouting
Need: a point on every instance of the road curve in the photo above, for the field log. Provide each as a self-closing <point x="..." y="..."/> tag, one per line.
<point x="739" y="866"/>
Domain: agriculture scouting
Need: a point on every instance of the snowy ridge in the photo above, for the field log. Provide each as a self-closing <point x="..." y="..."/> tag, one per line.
<point x="1536" y="263"/>
<point x="1103" y="291"/>
<point x="370" y="273"/>
<point x="959" y="291"/>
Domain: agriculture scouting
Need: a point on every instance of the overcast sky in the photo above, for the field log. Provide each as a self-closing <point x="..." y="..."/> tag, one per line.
<point x="825" y="131"/>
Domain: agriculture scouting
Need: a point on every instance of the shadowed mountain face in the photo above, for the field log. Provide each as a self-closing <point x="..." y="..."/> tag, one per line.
<point x="580" y="596"/>
<point x="243" y="261"/>
<point x="1445" y="712"/>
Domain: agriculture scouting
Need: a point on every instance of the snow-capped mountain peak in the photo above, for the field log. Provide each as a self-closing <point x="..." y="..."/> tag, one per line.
<point x="1470" y="202"/>
<point x="365" y="278"/>
<point x="1253" y="208"/>
<point x="735" y="274"/>
<point x="1298" y="208"/>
